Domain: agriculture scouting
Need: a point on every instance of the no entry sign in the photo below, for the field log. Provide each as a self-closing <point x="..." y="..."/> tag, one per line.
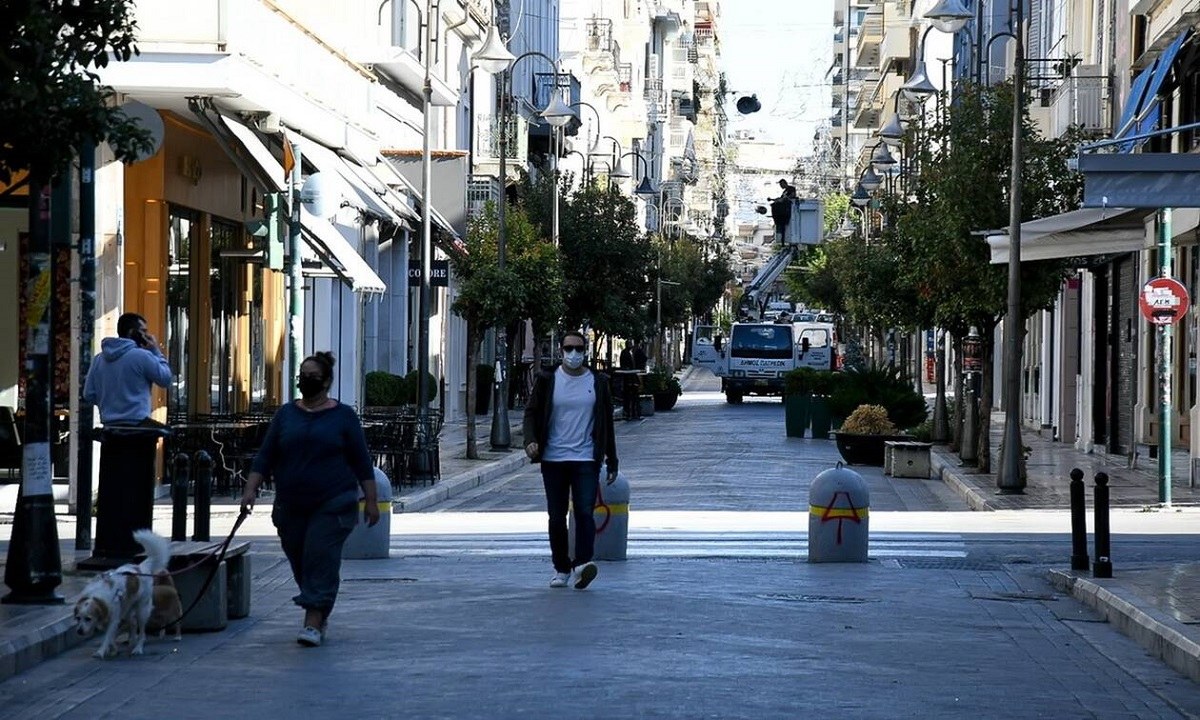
<point x="1164" y="301"/>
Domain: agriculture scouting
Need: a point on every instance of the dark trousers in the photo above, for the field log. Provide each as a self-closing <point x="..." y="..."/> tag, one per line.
<point x="631" y="387"/>
<point x="576" y="483"/>
<point x="312" y="542"/>
<point x="125" y="496"/>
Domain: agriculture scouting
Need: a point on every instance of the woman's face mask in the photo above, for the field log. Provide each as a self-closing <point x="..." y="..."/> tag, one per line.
<point x="310" y="386"/>
<point x="573" y="359"/>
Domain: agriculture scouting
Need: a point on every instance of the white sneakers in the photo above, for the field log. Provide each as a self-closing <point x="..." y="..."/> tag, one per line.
<point x="309" y="637"/>
<point x="584" y="575"/>
<point x="581" y="577"/>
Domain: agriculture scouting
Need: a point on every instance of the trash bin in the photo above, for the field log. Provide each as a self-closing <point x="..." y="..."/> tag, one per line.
<point x="371" y="543"/>
<point x="838" y="516"/>
<point x="125" y="491"/>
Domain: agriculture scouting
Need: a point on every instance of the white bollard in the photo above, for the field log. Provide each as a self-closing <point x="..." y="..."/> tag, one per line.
<point x="370" y="543"/>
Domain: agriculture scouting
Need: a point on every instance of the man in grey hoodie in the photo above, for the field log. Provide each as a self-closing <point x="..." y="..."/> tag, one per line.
<point x="119" y="384"/>
<point x="120" y="378"/>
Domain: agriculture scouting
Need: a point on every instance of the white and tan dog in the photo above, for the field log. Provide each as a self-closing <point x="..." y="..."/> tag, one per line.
<point x="123" y="598"/>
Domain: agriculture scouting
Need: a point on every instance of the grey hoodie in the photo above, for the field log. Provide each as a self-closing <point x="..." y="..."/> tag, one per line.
<point x="120" y="378"/>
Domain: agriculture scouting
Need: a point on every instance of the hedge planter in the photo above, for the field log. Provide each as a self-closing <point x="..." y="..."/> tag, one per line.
<point x="822" y="422"/>
<point x="859" y="449"/>
<point x="796" y="410"/>
<point x="664" y="401"/>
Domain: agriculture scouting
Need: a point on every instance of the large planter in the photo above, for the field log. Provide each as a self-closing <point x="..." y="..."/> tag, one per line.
<point x="796" y="414"/>
<point x="822" y="422"/>
<point x="664" y="401"/>
<point x="859" y="449"/>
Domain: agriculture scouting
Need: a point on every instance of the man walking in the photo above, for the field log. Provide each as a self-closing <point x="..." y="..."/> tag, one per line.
<point x="568" y="428"/>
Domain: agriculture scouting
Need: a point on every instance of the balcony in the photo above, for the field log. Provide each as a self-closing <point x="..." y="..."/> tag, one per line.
<point x="1079" y="100"/>
<point x="625" y="78"/>
<point x="481" y="189"/>
<point x="601" y="47"/>
<point x="487" y="140"/>
<point x="543" y="86"/>
<point x="870" y="37"/>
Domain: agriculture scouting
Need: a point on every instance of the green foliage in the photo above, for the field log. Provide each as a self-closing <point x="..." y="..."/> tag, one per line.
<point x="836" y="206"/>
<point x="52" y="100"/>
<point x="661" y="380"/>
<point x="798" y="381"/>
<point x="383" y="389"/>
<point x="410" y="388"/>
<point x="606" y="257"/>
<point x="878" y="386"/>
<point x="812" y="281"/>
<point x="694" y="278"/>
<point x="529" y="286"/>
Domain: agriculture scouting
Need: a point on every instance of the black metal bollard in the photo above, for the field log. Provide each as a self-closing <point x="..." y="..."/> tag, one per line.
<point x="1079" y="554"/>
<point x="179" y="495"/>
<point x="203" y="485"/>
<point x="1102" y="568"/>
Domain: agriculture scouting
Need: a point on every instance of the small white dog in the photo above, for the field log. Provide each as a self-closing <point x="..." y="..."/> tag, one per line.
<point x="123" y="598"/>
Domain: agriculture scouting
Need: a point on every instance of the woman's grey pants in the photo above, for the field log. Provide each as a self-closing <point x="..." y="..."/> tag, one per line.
<point x="313" y="544"/>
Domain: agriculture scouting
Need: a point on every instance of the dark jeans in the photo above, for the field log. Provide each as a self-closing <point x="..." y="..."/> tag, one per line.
<point x="575" y="482"/>
<point x="125" y="496"/>
<point x="631" y="387"/>
<point x="313" y="544"/>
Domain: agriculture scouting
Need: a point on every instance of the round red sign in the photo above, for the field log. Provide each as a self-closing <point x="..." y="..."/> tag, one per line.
<point x="1164" y="301"/>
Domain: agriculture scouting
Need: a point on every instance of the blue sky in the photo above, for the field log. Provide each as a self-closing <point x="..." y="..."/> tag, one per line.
<point x="779" y="50"/>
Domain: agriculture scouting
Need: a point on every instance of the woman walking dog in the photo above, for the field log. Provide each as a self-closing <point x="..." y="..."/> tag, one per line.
<point x="317" y="454"/>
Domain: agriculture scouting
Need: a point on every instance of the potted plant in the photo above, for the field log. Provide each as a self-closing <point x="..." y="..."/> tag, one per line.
<point x="797" y="400"/>
<point x="664" y="387"/>
<point x="861" y="438"/>
<point x="823" y="384"/>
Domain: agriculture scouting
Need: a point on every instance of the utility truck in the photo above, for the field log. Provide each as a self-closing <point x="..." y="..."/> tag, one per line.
<point x="756" y="356"/>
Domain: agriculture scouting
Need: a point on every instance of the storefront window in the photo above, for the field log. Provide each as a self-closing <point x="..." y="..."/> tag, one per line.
<point x="184" y="225"/>
<point x="258" y="360"/>
<point x="223" y="284"/>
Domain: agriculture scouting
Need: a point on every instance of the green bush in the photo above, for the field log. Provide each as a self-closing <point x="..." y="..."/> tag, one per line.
<point x="383" y="389"/>
<point x="661" y="380"/>
<point x="798" y="381"/>
<point x="411" y="389"/>
<point x="878" y="386"/>
<point x="824" y="383"/>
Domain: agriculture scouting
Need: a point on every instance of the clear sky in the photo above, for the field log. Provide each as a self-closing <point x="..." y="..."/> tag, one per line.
<point x="779" y="50"/>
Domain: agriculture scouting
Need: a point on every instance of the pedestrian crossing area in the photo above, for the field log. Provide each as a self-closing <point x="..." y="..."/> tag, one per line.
<point x="648" y="544"/>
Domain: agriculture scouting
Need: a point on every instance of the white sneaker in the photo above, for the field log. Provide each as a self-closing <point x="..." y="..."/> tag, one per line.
<point x="560" y="580"/>
<point x="584" y="575"/>
<point x="309" y="637"/>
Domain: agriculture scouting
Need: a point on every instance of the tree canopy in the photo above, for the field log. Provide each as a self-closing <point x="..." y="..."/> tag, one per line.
<point x="52" y="101"/>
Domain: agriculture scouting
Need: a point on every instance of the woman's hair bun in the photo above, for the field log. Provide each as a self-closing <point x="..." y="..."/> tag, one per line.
<point x="327" y="356"/>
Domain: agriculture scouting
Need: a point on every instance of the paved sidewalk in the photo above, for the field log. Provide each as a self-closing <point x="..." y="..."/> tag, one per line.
<point x="1158" y="605"/>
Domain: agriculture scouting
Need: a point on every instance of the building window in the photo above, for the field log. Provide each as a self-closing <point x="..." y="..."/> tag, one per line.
<point x="182" y="235"/>
<point x="224" y="289"/>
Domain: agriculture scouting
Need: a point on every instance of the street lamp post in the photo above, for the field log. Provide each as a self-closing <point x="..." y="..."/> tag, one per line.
<point x="494" y="56"/>
<point x="1008" y="476"/>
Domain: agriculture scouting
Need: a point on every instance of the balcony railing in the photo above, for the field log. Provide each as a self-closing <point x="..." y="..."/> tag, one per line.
<point x="516" y="137"/>
<point x="1080" y="101"/>
<point x="625" y="77"/>
<point x="600" y="35"/>
<point x="481" y="189"/>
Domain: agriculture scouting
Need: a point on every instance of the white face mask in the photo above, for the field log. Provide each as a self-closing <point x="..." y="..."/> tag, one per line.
<point x="573" y="360"/>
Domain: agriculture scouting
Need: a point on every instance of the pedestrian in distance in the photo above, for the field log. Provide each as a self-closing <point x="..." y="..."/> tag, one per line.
<point x="120" y="378"/>
<point x="568" y="428"/>
<point x="316" y="452"/>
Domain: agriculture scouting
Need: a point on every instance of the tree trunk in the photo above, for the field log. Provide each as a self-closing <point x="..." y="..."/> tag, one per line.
<point x="986" y="399"/>
<point x="941" y="424"/>
<point x="473" y="341"/>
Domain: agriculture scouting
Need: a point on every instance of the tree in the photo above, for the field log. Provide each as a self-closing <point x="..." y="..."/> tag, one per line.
<point x="52" y="101"/>
<point x="530" y="286"/>
<point x="608" y="260"/>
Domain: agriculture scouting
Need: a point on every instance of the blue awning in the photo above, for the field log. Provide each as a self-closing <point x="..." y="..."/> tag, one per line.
<point x="1148" y="115"/>
<point x="1133" y="103"/>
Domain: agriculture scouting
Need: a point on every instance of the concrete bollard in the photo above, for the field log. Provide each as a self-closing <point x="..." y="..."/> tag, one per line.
<point x="612" y="519"/>
<point x="372" y="543"/>
<point x="838" y="516"/>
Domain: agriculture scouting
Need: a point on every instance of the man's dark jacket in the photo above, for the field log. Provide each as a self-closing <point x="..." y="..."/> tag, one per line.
<point x="537" y="418"/>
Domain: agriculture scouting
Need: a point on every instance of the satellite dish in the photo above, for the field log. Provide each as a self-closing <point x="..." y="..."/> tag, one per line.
<point x="320" y="195"/>
<point x="149" y="119"/>
<point x="748" y="104"/>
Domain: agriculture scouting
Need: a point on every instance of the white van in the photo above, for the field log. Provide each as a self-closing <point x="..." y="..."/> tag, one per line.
<point x="756" y="356"/>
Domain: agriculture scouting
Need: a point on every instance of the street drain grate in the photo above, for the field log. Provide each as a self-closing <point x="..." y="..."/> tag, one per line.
<point x="833" y="599"/>
<point x="948" y="564"/>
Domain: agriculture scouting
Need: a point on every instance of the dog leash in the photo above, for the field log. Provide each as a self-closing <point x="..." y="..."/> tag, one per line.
<point x="216" y="557"/>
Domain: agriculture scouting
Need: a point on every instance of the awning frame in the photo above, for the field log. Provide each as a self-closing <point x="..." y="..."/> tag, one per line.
<point x="1076" y="234"/>
<point x="339" y="255"/>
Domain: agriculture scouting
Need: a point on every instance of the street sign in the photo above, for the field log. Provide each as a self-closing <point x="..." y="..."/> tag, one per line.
<point x="439" y="273"/>
<point x="1164" y="301"/>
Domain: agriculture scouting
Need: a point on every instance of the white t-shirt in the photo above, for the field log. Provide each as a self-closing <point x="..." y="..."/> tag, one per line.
<point x="572" y="413"/>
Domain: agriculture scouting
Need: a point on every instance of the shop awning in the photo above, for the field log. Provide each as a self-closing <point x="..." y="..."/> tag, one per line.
<point x="338" y="254"/>
<point x="394" y="178"/>
<point x="353" y="189"/>
<point x="242" y="145"/>
<point x="386" y="194"/>
<point x="1079" y="233"/>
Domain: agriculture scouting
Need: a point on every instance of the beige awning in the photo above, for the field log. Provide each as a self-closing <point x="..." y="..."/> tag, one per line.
<point x="339" y="255"/>
<point x="1079" y="233"/>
